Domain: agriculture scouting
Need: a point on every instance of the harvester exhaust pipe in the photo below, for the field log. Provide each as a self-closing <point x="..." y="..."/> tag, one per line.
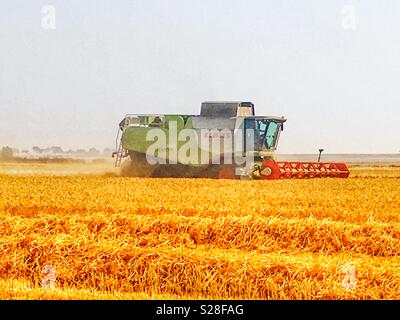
<point x="320" y="152"/>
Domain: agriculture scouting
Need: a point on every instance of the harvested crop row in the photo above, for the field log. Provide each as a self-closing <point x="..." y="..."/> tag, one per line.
<point x="207" y="272"/>
<point x="265" y="234"/>
<point x="23" y="290"/>
<point x="351" y="200"/>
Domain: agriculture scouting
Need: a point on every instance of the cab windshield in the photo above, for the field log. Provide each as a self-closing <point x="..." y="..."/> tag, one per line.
<point x="265" y="132"/>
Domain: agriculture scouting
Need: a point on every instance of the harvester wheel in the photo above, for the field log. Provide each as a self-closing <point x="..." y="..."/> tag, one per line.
<point x="270" y="170"/>
<point x="136" y="166"/>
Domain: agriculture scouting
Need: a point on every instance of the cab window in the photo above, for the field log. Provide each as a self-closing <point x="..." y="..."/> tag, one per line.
<point x="271" y="135"/>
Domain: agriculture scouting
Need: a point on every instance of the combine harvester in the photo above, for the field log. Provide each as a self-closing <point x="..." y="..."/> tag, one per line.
<point x="227" y="140"/>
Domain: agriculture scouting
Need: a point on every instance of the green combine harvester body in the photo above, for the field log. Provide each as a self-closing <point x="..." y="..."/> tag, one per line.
<point x="227" y="140"/>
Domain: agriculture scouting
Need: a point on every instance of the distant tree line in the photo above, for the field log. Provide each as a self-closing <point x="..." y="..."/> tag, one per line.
<point x="7" y="152"/>
<point x="59" y="150"/>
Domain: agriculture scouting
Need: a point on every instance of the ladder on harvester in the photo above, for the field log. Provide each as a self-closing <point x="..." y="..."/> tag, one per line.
<point x="120" y="153"/>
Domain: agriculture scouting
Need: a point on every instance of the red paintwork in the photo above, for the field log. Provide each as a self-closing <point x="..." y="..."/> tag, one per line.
<point x="304" y="170"/>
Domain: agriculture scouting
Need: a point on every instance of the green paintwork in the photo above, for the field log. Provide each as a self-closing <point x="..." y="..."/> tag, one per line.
<point x="134" y="139"/>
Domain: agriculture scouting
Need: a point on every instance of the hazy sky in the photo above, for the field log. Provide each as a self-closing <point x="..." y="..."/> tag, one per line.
<point x="331" y="67"/>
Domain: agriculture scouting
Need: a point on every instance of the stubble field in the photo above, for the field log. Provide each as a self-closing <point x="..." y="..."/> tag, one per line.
<point x="109" y="237"/>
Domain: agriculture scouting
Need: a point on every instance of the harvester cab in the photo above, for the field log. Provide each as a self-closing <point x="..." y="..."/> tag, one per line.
<point x="260" y="133"/>
<point x="264" y="131"/>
